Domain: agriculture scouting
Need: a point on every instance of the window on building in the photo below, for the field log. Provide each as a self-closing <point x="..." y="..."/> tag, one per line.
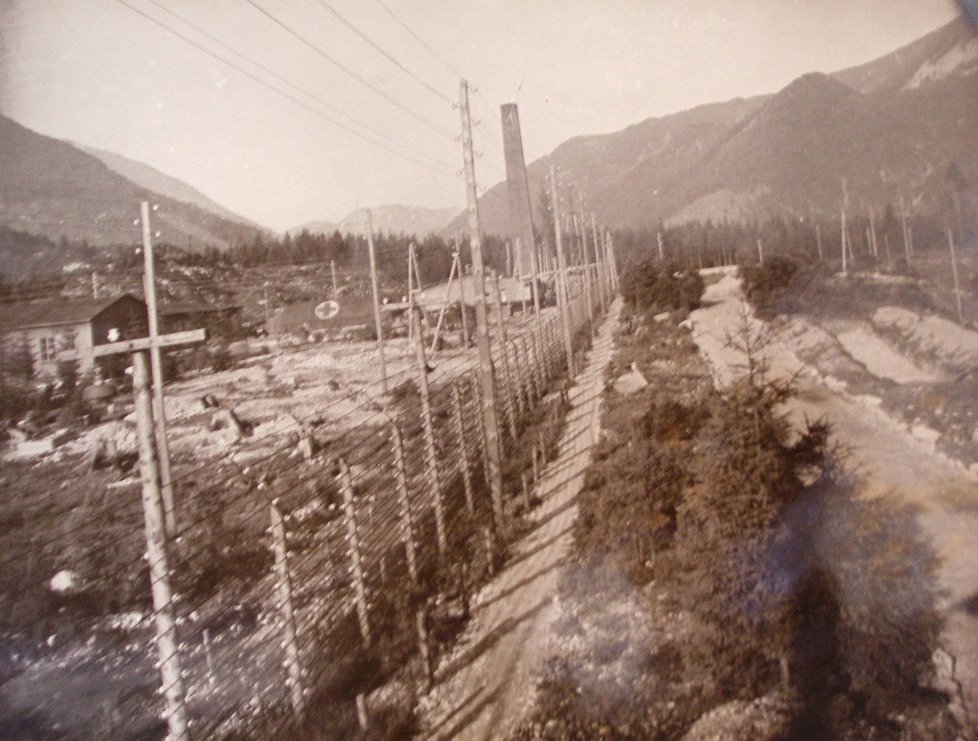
<point x="49" y="348"/>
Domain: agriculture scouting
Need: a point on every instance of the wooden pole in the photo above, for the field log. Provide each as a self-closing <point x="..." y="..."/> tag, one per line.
<point x="760" y="252"/>
<point x="612" y="264"/>
<point x="167" y="642"/>
<point x="872" y="234"/>
<point x="906" y="231"/>
<point x="581" y="229"/>
<point x="563" y="298"/>
<point x="444" y="306"/>
<point x="332" y="270"/>
<point x="954" y="271"/>
<point x="356" y="554"/>
<point x="602" y="298"/>
<point x="410" y="273"/>
<point x="487" y="374"/>
<point x="156" y="357"/>
<point x="404" y="503"/>
<point x="463" y="447"/>
<point x="431" y="457"/>
<point x="662" y="256"/>
<point x="818" y="241"/>
<point x="504" y="354"/>
<point x="284" y="587"/>
<point x="842" y="222"/>
<point x="461" y="299"/>
<point x="373" y="285"/>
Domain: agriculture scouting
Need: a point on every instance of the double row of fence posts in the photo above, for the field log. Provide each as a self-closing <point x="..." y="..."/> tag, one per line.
<point x="403" y="505"/>
<point x="423" y="505"/>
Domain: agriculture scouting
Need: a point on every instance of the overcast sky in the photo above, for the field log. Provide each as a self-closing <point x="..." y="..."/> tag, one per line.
<point x="98" y="73"/>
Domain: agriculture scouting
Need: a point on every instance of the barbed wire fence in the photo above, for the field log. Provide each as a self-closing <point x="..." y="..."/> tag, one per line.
<point x="307" y="573"/>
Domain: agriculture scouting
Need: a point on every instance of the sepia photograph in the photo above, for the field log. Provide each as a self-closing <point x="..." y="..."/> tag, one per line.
<point x="492" y="370"/>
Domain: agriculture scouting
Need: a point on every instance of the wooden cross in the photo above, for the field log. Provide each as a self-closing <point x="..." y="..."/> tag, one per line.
<point x="156" y="511"/>
<point x="140" y="349"/>
<point x="176" y="339"/>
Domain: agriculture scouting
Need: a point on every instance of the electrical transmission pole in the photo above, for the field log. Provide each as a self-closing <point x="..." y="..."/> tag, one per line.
<point x="487" y="373"/>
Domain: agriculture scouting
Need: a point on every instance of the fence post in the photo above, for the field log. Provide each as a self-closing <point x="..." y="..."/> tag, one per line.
<point x="482" y="430"/>
<point x="431" y="452"/>
<point x="507" y="387"/>
<point x="519" y="375"/>
<point x="463" y="447"/>
<point x="421" y="624"/>
<point x="293" y="666"/>
<point x="167" y="643"/>
<point x="404" y="503"/>
<point x="356" y="555"/>
<point x="531" y="381"/>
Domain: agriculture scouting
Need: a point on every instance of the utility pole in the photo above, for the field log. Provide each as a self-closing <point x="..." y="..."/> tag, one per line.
<point x="156" y="358"/>
<point x="410" y="272"/>
<point x="332" y="269"/>
<point x="597" y="263"/>
<point x="818" y="241"/>
<point x="954" y="271"/>
<point x="487" y="374"/>
<point x="461" y="297"/>
<point x="373" y="284"/>
<point x="844" y="232"/>
<point x="906" y="231"/>
<point x="562" y="294"/>
<point x="661" y="253"/>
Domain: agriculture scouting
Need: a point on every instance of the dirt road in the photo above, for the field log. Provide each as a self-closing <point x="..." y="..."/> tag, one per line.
<point x="944" y="499"/>
<point x="482" y="689"/>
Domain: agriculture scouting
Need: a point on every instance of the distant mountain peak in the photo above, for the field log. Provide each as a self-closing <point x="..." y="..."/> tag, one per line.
<point x="917" y="62"/>
<point x="390" y="218"/>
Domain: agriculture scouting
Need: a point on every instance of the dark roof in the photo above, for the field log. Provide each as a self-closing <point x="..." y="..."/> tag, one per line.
<point x="55" y="313"/>
<point x="191" y="307"/>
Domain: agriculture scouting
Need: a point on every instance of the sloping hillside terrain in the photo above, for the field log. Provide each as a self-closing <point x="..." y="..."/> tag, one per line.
<point x="891" y="128"/>
<point x="53" y="189"/>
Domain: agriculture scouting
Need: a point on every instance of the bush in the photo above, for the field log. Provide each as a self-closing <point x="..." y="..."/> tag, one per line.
<point x="650" y="286"/>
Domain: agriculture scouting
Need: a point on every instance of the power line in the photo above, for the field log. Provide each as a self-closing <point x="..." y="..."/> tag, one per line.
<point x="297" y="101"/>
<point x="420" y="40"/>
<point x="278" y="77"/>
<point x="390" y="58"/>
<point x="339" y="65"/>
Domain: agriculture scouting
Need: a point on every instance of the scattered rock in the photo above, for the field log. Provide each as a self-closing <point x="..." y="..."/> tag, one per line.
<point x="630" y="382"/>
<point x="65" y="582"/>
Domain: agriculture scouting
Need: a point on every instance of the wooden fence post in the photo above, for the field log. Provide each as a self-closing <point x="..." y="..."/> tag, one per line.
<point x="421" y="624"/>
<point x="356" y="555"/>
<point x="518" y="376"/>
<point x="531" y="381"/>
<point x="482" y="430"/>
<point x="167" y="643"/>
<point x="507" y="387"/>
<point x="431" y="452"/>
<point x="291" y="643"/>
<point x="404" y="503"/>
<point x="463" y="447"/>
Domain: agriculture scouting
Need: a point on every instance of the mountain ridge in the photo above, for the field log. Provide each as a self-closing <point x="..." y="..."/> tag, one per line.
<point x="53" y="189"/>
<point x="740" y="158"/>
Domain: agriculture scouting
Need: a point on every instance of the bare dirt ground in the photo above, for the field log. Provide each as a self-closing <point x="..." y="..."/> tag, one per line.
<point x="893" y="462"/>
<point x="485" y="685"/>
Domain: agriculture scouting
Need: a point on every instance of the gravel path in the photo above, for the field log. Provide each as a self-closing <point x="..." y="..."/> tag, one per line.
<point x="486" y="684"/>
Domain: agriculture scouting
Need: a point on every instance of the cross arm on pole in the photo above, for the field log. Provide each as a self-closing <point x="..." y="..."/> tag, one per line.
<point x="176" y="339"/>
